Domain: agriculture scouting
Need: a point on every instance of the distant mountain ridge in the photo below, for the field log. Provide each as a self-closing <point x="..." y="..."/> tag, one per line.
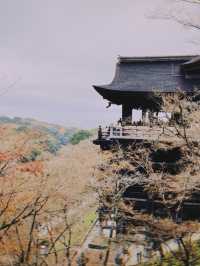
<point x="56" y="135"/>
<point x="32" y="122"/>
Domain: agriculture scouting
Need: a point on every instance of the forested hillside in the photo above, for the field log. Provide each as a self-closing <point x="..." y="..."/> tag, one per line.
<point x="54" y="137"/>
<point x="46" y="193"/>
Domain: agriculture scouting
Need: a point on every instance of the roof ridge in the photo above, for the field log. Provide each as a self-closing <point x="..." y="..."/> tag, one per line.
<point x="124" y="59"/>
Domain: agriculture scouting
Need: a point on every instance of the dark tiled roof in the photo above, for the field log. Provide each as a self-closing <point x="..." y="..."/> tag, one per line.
<point x="148" y="74"/>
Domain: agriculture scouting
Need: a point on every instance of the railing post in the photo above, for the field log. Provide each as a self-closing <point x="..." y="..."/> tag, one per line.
<point x="111" y="131"/>
<point x="121" y="131"/>
<point x="100" y="133"/>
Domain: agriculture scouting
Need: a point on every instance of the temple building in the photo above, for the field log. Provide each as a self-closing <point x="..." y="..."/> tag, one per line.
<point x="154" y="173"/>
<point x="139" y="84"/>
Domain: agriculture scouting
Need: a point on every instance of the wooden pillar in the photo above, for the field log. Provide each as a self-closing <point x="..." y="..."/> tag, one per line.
<point x="157" y="117"/>
<point x="144" y="114"/>
<point x="127" y="114"/>
<point x="150" y="117"/>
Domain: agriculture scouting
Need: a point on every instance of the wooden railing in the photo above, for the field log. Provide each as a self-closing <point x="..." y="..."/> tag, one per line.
<point x="138" y="132"/>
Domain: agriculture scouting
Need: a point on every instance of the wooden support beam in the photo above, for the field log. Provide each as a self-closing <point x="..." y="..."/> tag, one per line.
<point x="127" y="114"/>
<point x="144" y="116"/>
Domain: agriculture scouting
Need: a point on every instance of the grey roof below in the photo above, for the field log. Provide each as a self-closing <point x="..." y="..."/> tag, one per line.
<point x="192" y="67"/>
<point x="194" y="60"/>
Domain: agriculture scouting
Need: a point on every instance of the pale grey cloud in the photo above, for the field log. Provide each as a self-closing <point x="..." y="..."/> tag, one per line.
<point x="58" y="49"/>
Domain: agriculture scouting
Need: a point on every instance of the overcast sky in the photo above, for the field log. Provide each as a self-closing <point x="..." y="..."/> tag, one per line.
<point x="52" y="51"/>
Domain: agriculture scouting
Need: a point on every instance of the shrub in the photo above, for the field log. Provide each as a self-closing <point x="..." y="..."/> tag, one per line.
<point x="5" y="119"/>
<point x="52" y="147"/>
<point x="31" y="157"/>
<point x="79" y="136"/>
<point x="21" y="129"/>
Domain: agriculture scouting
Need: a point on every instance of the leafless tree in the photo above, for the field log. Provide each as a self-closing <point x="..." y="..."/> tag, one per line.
<point x="30" y="229"/>
<point x="184" y="12"/>
<point x="165" y="191"/>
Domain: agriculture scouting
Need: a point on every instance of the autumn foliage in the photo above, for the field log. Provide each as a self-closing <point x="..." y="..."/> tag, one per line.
<point x="27" y="221"/>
